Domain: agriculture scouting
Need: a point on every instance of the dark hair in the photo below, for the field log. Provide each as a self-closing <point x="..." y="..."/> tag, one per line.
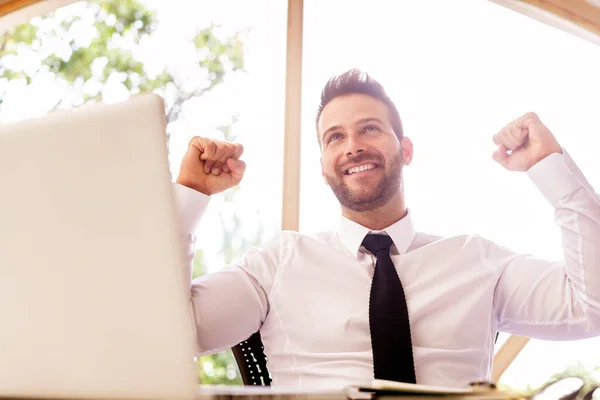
<point x="355" y="81"/>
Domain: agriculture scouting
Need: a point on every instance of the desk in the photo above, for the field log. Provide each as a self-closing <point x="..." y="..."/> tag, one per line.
<point x="208" y="392"/>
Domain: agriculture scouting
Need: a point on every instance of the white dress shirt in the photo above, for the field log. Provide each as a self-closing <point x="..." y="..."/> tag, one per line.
<point x="309" y="295"/>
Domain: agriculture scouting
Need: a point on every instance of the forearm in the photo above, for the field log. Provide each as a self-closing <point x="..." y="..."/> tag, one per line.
<point x="577" y="213"/>
<point x="191" y="206"/>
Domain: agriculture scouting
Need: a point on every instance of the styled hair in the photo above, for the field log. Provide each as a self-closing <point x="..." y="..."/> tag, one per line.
<point x="355" y="81"/>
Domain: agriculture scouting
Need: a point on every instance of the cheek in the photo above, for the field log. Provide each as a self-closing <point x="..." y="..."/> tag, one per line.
<point x="391" y="153"/>
<point x="328" y="165"/>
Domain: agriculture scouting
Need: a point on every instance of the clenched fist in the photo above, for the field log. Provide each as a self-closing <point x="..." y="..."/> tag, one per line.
<point x="523" y="143"/>
<point x="211" y="166"/>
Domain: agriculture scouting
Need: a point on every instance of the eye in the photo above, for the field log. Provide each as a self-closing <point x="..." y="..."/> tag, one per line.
<point x="333" y="137"/>
<point x="371" y="128"/>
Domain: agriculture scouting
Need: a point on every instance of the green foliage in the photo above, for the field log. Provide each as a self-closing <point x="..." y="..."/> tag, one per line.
<point x="219" y="53"/>
<point x="110" y="21"/>
<point x="198" y="266"/>
<point x="589" y="377"/>
<point x="219" y="369"/>
<point x="578" y="369"/>
<point x="92" y="45"/>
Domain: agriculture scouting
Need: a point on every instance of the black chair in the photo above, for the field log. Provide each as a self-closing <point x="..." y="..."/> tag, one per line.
<point x="252" y="361"/>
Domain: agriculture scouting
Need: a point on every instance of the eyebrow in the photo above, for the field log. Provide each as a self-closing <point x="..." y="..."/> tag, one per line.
<point x="360" y="121"/>
<point x="364" y="120"/>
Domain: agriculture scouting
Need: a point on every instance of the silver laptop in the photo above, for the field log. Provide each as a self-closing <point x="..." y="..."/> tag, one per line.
<point x="94" y="300"/>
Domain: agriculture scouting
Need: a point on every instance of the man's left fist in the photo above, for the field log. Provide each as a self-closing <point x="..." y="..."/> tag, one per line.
<point x="524" y="142"/>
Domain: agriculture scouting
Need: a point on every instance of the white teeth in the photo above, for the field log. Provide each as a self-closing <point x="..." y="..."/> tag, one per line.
<point x="361" y="168"/>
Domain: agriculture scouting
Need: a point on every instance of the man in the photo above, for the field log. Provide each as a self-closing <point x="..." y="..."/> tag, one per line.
<point x="376" y="298"/>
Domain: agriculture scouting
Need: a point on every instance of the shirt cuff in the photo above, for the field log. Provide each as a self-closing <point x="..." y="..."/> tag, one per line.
<point x="191" y="206"/>
<point x="556" y="176"/>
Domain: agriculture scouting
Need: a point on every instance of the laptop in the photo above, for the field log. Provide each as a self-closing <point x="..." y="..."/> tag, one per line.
<point x="94" y="295"/>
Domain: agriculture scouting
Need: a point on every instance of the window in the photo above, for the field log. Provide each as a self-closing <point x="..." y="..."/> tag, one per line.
<point x="458" y="72"/>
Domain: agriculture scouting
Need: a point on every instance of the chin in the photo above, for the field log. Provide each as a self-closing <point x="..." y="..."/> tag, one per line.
<point x="363" y="197"/>
<point x="364" y="191"/>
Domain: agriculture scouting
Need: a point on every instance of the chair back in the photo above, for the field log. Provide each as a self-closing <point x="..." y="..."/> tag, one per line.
<point x="252" y="361"/>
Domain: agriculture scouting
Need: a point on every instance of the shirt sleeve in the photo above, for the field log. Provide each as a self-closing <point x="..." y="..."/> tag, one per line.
<point x="554" y="300"/>
<point x="231" y="304"/>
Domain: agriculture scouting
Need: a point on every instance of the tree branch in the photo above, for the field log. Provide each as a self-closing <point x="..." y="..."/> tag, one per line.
<point x="4" y="43"/>
<point x="177" y="107"/>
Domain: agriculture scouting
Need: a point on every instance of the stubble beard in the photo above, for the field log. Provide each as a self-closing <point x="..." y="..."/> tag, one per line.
<point x="367" y="198"/>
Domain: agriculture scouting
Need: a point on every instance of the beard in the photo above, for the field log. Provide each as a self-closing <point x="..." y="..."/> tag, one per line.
<point x="369" y="197"/>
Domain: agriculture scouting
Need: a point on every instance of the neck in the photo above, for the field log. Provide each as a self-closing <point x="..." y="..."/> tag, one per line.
<point x="379" y="218"/>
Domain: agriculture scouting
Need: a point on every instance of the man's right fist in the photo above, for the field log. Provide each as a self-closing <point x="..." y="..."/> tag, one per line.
<point x="211" y="166"/>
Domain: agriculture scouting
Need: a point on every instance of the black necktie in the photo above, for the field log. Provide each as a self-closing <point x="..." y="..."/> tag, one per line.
<point x="388" y="317"/>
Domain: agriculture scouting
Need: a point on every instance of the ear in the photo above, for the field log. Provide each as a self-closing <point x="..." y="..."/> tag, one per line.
<point x="407" y="150"/>
<point x="323" y="173"/>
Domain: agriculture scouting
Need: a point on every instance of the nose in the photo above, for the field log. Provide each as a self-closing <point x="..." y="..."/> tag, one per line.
<point x="354" y="146"/>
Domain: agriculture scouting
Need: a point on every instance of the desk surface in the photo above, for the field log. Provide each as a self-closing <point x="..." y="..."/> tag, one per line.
<point x="266" y="393"/>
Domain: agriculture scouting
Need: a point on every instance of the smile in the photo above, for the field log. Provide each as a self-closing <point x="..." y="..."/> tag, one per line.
<point x="360" y="168"/>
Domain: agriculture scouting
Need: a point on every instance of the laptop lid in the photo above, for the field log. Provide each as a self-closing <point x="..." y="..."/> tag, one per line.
<point x="94" y="297"/>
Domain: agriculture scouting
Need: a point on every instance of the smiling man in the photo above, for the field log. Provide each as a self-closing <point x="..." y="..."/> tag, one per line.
<point x="363" y="149"/>
<point x="376" y="298"/>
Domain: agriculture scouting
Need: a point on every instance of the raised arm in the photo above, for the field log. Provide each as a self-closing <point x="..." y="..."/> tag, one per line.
<point x="228" y="305"/>
<point x="538" y="298"/>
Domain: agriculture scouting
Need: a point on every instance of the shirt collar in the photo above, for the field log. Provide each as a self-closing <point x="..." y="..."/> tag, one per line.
<point x="352" y="234"/>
